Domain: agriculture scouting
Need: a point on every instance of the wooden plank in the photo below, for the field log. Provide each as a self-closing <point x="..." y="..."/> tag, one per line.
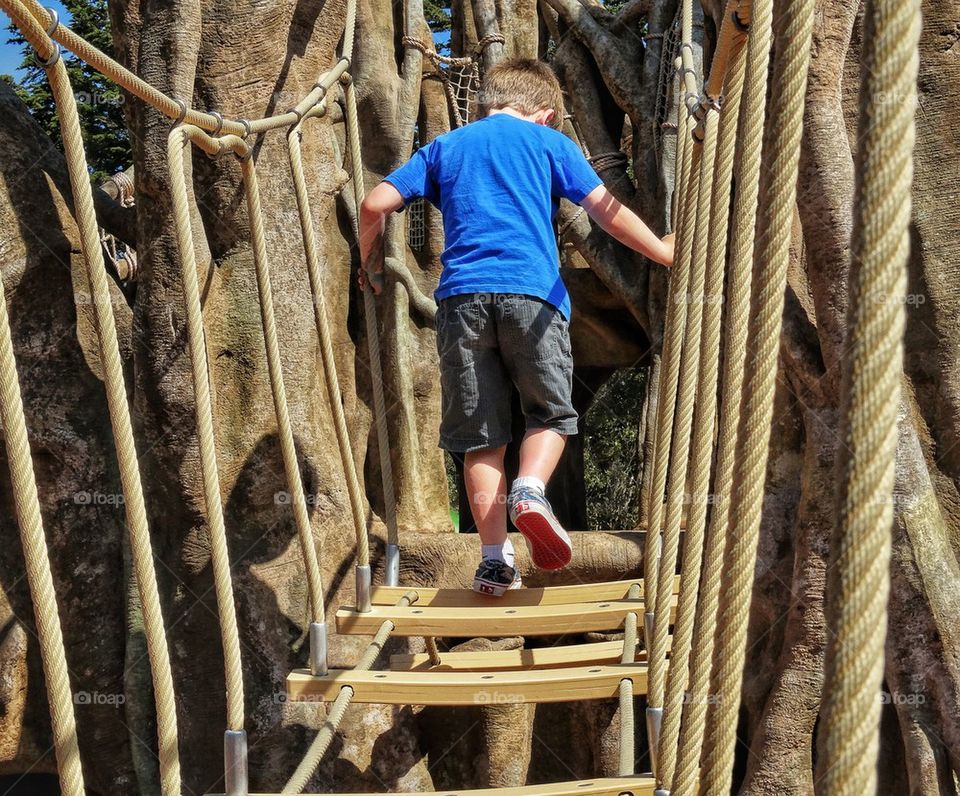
<point x="499" y="660"/>
<point x="537" y="620"/>
<point x="612" y="786"/>
<point x="468" y="688"/>
<point x="492" y="622"/>
<point x="550" y="595"/>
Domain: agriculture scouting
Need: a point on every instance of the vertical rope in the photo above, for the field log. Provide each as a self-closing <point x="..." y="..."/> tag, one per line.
<point x="669" y="365"/>
<point x="750" y="137"/>
<point x="628" y="733"/>
<point x="670" y="375"/>
<point x="288" y="448"/>
<point x="677" y="498"/>
<point x="36" y="558"/>
<point x="220" y="553"/>
<point x="706" y="408"/>
<point x="771" y="258"/>
<point x="328" y="360"/>
<point x="373" y="334"/>
<point x="859" y="581"/>
<point x="321" y="741"/>
<point x="115" y="388"/>
<point x="649" y="440"/>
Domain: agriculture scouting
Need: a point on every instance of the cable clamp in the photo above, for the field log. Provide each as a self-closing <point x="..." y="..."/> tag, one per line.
<point x="216" y="130"/>
<point x="54" y="21"/>
<point x="246" y="127"/>
<point x="183" y="111"/>
<point x="51" y="29"/>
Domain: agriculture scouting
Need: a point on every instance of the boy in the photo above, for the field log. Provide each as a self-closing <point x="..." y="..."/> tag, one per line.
<point x="502" y="308"/>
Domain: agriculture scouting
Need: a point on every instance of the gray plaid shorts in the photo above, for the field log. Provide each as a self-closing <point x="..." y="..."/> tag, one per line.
<point x="489" y="344"/>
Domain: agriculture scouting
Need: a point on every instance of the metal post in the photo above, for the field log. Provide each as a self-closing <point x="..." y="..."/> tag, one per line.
<point x="391" y="575"/>
<point x="318" y="649"/>
<point x="363" y="588"/>
<point x="235" y="763"/>
<point x="654" y="720"/>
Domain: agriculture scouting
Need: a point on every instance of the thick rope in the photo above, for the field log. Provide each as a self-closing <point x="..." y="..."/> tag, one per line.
<point x="115" y="387"/>
<point x="373" y="334"/>
<point x="690" y="389"/>
<point x="37" y="562"/>
<point x="771" y="259"/>
<point x="670" y="379"/>
<point x="288" y="448"/>
<point x="859" y="584"/>
<point x="321" y="741"/>
<point x="628" y="733"/>
<point x="649" y="440"/>
<point x="750" y="138"/>
<point x="169" y="106"/>
<point x="718" y="156"/>
<point x="719" y="149"/>
<point x="220" y="554"/>
<point x="669" y="367"/>
<point x="327" y="357"/>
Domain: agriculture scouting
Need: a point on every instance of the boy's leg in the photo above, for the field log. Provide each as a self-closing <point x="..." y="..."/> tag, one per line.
<point x="486" y="483"/>
<point x="476" y="419"/>
<point x="540" y="453"/>
<point x="535" y="342"/>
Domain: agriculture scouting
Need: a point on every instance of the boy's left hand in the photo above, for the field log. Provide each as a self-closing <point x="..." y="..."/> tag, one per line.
<point x="372" y="278"/>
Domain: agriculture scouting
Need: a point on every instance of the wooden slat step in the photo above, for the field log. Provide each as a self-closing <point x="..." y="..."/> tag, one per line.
<point x="500" y="660"/>
<point x="611" y="786"/>
<point x="492" y="622"/>
<point x="550" y="595"/>
<point x="468" y="688"/>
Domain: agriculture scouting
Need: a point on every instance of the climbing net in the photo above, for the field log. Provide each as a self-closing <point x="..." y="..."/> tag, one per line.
<point x="460" y="77"/>
<point x="740" y="256"/>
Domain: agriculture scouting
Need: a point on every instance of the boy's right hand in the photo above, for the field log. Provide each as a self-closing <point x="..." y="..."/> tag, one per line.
<point x="670" y="242"/>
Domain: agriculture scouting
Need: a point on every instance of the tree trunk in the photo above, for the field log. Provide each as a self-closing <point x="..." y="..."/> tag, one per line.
<point x="617" y="72"/>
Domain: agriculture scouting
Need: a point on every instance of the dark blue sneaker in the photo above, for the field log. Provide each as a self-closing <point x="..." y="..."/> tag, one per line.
<point x="549" y="544"/>
<point x="495" y="577"/>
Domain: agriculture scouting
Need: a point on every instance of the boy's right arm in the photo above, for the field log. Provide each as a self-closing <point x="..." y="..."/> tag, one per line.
<point x="623" y="224"/>
<point x="378" y="204"/>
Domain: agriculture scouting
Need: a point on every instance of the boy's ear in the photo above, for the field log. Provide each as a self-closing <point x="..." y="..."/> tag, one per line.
<point x="545" y="116"/>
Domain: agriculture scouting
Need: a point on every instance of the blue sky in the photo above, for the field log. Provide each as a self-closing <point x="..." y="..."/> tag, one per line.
<point x="10" y="55"/>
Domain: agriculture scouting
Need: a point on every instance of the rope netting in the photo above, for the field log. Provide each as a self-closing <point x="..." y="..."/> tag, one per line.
<point x="701" y="446"/>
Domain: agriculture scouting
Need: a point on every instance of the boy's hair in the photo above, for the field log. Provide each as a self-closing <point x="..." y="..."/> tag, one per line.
<point x="525" y="84"/>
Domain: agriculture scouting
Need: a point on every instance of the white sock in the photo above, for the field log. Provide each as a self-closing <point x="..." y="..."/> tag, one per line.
<point x="531" y="482"/>
<point x="499" y="552"/>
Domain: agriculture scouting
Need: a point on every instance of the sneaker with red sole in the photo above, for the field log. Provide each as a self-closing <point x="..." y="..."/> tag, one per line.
<point x="549" y="544"/>
<point x="495" y="577"/>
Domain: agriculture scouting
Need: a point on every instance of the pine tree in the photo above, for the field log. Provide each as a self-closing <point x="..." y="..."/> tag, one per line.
<point x="99" y="102"/>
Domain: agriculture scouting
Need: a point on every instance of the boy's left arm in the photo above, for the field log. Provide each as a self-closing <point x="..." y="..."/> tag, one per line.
<point x="623" y="224"/>
<point x="378" y="204"/>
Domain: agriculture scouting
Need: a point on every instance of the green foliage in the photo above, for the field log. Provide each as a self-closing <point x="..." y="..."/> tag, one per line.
<point x="612" y="452"/>
<point x="99" y="102"/>
<point x="437" y="13"/>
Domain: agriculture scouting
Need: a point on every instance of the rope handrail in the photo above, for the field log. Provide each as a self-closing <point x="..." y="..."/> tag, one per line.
<point x="26" y="504"/>
<point x="771" y="258"/>
<point x="859" y="583"/>
<point x="373" y="348"/>
<point x="321" y="741"/>
<point x="752" y="104"/>
<point x="174" y="108"/>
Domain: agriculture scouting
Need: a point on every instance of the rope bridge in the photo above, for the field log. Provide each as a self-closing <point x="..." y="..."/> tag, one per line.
<point x="708" y="452"/>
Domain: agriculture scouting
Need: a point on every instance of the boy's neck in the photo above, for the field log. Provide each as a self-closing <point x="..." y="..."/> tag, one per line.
<point x="540" y="117"/>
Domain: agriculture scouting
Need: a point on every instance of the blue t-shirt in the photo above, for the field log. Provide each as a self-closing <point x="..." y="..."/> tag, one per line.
<point x="498" y="183"/>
